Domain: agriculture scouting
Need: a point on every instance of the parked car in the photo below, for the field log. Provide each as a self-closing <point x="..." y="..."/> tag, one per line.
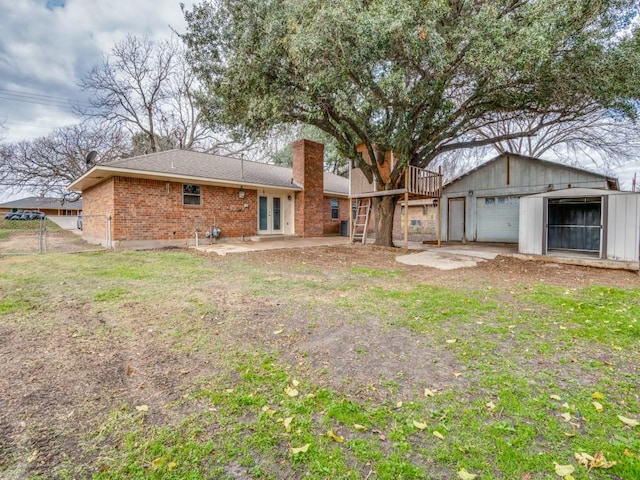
<point x="14" y="215"/>
<point x="26" y="215"/>
<point x="36" y="215"/>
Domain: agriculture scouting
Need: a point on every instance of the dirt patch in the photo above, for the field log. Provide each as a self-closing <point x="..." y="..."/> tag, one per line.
<point x="60" y="382"/>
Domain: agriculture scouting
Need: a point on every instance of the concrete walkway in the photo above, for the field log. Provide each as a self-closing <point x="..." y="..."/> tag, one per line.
<point x="447" y="257"/>
<point x="267" y="244"/>
<point x="67" y="222"/>
<point x="450" y="257"/>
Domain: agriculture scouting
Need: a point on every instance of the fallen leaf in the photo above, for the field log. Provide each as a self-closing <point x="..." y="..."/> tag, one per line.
<point x="419" y="425"/>
<point x="491" y="406"/>
<point x="287" y="424"/>
<point x="566" y="416"/>
<point x="583" y="458"/>
<point x="295" y="383"/>
<point x="428" y="393"/>
<point x="142" y="408"/>
<point x="158" y="463"/>
<point x="597" y="396"/>
<point x="398" y="404"/>
<point x="278" y="332"/>
<point x="452" y="340"/>
<point x="334" y="437"/>
<point x="171" y="466"/>
<point x="595" y="461"/>
<point x="437" y="434"/>
<point x="555" y="397"/>
<point x="464" y="475"/>
<point x="629" y="421"/>
<point x="630" y="454"/>
<point x="357" y="426"/>
<point x="563" y="470"/>
<point x="302" y="449"/>
<point x="229" y="390"/>
<point x="569" y="434"/>
<point x="600" y="462"/>
<point x="33" y="456"/>
<point x="456" y="374"/>
<point x="292" y="392"/>
<point x="598" y="406"/>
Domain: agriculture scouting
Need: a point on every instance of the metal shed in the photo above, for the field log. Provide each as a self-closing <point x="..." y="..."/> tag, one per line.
<point x="581" y="222"/>
<point x="483" y="204"/>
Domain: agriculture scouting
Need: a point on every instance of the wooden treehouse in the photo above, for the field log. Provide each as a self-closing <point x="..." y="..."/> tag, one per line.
<point x="417" y="184"/>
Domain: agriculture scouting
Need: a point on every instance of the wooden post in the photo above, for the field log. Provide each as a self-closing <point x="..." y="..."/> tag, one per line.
<point x="406" y="208"/>
<point x="439" y="204"/>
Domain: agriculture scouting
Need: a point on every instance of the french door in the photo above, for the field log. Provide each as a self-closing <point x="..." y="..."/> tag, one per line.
<point x="269" y="215"/>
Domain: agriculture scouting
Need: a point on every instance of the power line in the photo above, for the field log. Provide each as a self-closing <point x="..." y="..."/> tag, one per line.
<point x="40" y="99"/>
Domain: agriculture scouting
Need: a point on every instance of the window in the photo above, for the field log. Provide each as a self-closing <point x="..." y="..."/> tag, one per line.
<point x="191" y="195"/>
<point x="335" y="208"/>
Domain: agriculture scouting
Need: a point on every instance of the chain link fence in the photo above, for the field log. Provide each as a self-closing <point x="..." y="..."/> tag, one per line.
<point x="57" y="234"/>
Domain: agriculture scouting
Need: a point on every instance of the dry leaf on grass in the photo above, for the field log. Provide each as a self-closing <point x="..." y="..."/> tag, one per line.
<point x="563" y="470"/>
<point x="334" y="437"/>
<point x="632" y="422"/>
<point x="464" y="475"/>
<point x="302" y="449"/>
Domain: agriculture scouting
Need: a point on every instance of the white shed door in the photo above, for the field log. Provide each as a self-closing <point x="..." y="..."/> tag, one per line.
<point x="497" y="219"/>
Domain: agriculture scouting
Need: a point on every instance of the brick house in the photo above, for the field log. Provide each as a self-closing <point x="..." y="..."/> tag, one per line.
<point x="166" y="198"/>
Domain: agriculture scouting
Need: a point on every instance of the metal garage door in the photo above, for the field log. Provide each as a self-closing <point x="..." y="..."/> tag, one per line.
<point x="497" y="219"/>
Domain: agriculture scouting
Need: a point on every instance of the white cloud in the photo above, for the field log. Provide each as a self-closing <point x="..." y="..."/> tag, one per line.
<point x="46" y="46"/>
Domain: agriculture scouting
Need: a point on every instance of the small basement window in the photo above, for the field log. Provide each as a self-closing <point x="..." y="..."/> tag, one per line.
<point x="335" y="208"/>
<point x="191" y="195"/>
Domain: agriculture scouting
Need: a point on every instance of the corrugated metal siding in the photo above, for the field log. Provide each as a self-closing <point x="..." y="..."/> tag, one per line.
<point x="531" y="228"/>
<point x="523" y="176"/>
<point x="623" y="231"/>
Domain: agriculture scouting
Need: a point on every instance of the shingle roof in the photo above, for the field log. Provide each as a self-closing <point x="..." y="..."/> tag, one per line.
<point x="205" y="166"/>
<point x="43" y="203"/>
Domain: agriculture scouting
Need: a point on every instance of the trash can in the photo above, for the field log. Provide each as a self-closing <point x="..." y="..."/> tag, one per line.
<point x="344" y="228"/>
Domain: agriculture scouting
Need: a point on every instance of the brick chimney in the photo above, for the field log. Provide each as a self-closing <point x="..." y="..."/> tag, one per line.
<point x="308" y="172"/>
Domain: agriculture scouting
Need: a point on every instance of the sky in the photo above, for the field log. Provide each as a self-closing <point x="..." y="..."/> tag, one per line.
<point x="47" y="46"/>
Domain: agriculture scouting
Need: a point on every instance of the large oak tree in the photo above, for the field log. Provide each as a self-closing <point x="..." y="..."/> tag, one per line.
<point x="417" y="77"/>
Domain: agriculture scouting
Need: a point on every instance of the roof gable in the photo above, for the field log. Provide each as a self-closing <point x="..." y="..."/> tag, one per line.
<point x="510" y="171"/>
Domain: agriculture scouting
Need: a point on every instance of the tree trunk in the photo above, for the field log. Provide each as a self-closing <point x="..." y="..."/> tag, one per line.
<point x="384" y="208"/>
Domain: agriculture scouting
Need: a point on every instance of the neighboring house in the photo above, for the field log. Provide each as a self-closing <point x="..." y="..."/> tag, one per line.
<point x="582" y="223"/>
<point x="483" y="205"/>
<point x="166" y="198"/>
<point x="46" y="205"/>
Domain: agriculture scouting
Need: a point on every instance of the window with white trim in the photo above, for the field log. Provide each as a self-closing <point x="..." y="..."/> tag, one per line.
<point x="335" y="208"/>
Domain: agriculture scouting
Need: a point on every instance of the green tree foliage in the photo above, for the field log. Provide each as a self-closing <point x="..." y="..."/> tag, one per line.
<point x="417" y="77"/>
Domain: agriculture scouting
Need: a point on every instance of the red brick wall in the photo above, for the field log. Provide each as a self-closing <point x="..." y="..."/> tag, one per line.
<point x="332" y="225"/>
<point x="97" y="204"/>
<point x="308" y="167"/>
<point x="153" y="210"/>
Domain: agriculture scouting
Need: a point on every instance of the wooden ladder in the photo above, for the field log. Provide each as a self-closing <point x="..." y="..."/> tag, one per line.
<point x="361" y="221"/>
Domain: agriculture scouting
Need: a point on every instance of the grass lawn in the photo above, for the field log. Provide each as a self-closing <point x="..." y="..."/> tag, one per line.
<point x="315" y="363"/>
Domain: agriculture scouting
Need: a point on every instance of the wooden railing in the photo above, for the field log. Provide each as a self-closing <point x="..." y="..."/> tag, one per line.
<point x="420" y="181"/>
